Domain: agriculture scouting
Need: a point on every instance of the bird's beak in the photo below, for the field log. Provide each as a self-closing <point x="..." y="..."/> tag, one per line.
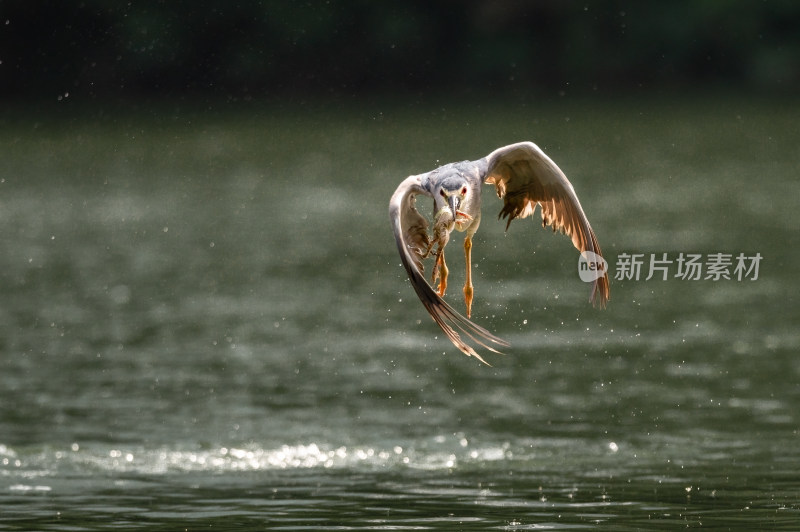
<point x="454" y="202"/>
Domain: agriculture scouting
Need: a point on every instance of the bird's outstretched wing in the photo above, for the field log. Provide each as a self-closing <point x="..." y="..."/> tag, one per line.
<point x="411" y="236"/>
<point x="525" y="177"/>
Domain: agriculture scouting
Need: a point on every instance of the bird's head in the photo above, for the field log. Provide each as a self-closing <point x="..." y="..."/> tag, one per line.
<point x="450" y="194"/>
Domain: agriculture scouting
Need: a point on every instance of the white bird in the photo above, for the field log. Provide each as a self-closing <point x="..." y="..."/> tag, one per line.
<point x="524" y="177"/>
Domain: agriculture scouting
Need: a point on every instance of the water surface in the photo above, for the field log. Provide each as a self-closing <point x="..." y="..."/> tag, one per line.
<point x="204" y="323"/>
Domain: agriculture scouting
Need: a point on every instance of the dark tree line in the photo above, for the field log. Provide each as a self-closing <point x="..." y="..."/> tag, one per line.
<point x="94" y="49"/>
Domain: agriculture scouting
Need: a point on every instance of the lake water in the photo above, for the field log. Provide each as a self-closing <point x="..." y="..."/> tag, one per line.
<point x="204" y="323"/>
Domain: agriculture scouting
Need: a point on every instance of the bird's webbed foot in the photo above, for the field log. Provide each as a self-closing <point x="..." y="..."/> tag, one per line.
<point x="440" y="272"/>
<point x="441" y="235"/>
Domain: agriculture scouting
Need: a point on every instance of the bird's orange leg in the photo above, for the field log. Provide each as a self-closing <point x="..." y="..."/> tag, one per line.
<point x="440" y="272"/>
<point x="468" y="283"/>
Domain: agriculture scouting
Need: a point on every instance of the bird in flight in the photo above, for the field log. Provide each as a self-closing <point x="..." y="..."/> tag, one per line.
<point x="524" y="178"/>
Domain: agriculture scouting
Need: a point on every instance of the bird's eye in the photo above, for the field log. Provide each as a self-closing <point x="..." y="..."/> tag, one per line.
<point x="442" y="193"/>
<point x="463" y="190"/>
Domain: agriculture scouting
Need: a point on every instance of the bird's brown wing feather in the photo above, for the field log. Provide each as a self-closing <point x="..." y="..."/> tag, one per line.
<point x="410" y="234"/>
<point x="525" y="177"/>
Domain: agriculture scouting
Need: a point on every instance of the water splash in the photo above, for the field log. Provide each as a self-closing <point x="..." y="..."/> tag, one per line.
<point x="440" y="452"/>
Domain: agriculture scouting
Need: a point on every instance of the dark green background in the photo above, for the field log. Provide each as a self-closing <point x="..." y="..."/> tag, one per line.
<point x="94" y="49"/>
